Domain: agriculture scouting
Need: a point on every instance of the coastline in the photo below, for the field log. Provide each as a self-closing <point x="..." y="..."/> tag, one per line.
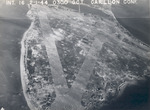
<point x="22" y="65"/>
<point x="13" y="24"/>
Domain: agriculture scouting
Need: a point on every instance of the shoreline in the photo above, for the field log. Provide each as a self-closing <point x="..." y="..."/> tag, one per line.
<point x="14" y="24"/>
<point x="24" y="78"/>
<point x="22" y="66"/>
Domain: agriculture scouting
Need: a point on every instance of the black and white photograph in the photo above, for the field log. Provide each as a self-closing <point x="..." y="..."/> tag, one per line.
<point x="74" y="54"/>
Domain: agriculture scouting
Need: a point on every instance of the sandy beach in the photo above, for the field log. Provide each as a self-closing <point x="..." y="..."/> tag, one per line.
<point x="12" y="27"/>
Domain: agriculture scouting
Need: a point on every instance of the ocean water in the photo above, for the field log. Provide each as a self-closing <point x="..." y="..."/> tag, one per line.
<point x="135" y="18"/>
<point x="134" y="97"/>
<point x="13" y="23"/>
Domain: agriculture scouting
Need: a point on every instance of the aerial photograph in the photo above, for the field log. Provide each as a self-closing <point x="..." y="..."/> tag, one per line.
<point x="74" y="54"/>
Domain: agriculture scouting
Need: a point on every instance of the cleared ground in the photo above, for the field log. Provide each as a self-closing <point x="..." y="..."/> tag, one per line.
<point x="89" y="59"/>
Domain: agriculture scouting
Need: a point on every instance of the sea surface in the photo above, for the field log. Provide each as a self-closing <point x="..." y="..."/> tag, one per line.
<point x="134" y="97"/>
<point x="135" y="18"/>
<point x="13" y="23"/>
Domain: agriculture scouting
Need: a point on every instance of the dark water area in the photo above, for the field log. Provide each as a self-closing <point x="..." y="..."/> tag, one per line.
<point x="135" y="18"/>
<point x="138" y="27"/>
<point x="13" y="24"/>
<point x="134" y="97"/>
